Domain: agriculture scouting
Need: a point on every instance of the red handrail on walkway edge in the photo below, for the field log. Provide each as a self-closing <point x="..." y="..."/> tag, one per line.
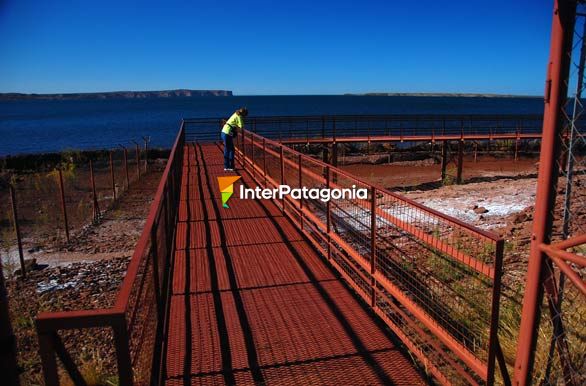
<point x="383" y="247"/>
<point x="134" y="319"/>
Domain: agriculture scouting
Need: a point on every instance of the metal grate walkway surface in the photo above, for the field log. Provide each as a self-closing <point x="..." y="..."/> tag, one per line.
<point x="253" y="303"/>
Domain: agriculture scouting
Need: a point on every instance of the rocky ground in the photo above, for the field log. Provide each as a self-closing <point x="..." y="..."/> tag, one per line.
<point x="85" y="274"/>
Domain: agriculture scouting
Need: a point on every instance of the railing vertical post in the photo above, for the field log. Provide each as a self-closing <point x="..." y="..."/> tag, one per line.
<point x="445" y="145"/>
<point x="334" y="128"/>
<point x="555" y="96"/>
<point x="460" y="161"/>
<point x="282" y="157"/>
<point x="373" y="246"/>
<point x="8" y="353"/>
<point x="243" y="149"/>
<point x="126" y="167"/>
<point x="63" y="206"/>
<point x="494" y="319"/>
<point x="112" y="177"/>
<point x="252" y="155"/>
<point x="48" y="358"/>
<point x="137" y="162"/>
<point x="121" y="343"/>
<point x="328" y="215"/>
<point x="335" y="160"/>
<point x="146" y="153"/>
<point x="17" y="229"/>
<point x="300" y="186"/>
<point x="156" y="257"/>
<point x="95" y="205"/>
<point x="264" y="159"/>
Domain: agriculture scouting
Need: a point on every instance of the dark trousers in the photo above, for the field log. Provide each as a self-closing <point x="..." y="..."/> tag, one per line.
<point x="228" y="151"/>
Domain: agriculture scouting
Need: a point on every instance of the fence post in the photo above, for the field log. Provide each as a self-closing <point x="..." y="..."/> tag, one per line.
<point x="300" y="186"/>
<point x="63" y="206"/>
<point x="328" y="215"/>
<point x="126" y="166"/>
<point x="137" y="162"/>
<point x="373" y="246"/>
<point x="155" y="261"/>
<point x="264" y="159"/>
<point x="8" y="364"/>
<point x="95" y="206"/>
<point x="282" y="174"/>
<point x="445" y="145"/>
<point x="48" y="358"/>
<point x="17" y="229"/>
<point x="112" y="177"/>
<point x="494" y="321"/>
<point x="460" y="161"/>
<point x="555" y="96"/>
<point x="146" y="153"/>
<point x="121" y="342"/>
<point x="252" y="155"/>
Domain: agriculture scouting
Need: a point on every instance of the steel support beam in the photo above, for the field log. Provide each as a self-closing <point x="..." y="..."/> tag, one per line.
<point x="555" y="96"/>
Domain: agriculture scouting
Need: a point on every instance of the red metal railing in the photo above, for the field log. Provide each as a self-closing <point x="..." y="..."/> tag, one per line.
<point x="433" y="279"/>
<point x="136" y="317"/>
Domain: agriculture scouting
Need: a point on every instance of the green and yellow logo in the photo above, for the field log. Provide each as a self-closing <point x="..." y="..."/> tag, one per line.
<point x="227" y="188"/>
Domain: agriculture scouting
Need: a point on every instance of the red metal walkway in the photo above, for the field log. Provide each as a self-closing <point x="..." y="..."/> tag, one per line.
<point x="253" y="302"/>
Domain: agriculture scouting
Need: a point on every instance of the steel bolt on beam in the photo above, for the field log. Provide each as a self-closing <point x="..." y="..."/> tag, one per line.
<point x="17" y="229"/>
<point x="63" y="206"/>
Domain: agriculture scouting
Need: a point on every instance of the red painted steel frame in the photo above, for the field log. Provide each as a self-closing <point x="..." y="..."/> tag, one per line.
<point x="413" y="138"/>
<point x="484" y="370"/>
<point x="555" y="95"/>
<point x="162" y="211"/>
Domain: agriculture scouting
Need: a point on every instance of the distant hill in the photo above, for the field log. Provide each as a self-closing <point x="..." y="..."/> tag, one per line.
<point x="117" y="95"/>
<point x="441" y="94"/>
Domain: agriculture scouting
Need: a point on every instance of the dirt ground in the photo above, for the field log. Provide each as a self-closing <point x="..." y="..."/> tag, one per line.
<point x="423" y="175"/>
<point x="85" y="274"/>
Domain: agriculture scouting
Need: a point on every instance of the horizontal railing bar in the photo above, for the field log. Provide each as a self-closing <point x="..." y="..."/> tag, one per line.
<point x="66" y="320"/>
<point x="461" y="351"/>
<point x="469" y="227"/>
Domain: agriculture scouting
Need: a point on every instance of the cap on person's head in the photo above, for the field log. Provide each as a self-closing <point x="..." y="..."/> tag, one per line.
<point x="243" y="111"/>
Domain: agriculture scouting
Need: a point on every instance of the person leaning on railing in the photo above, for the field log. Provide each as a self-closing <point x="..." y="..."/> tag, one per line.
<point x="229" y="130"/>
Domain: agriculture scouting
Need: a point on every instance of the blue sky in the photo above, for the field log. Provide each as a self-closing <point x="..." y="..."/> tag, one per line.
<point x="275" y="47"/>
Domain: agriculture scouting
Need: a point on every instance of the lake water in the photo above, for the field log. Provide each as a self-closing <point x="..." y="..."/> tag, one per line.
<point x="44" y="126"/>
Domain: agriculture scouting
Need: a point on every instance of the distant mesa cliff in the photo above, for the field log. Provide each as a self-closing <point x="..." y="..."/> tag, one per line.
<point x="118" y="95"/>
<point x="441" y="94"/>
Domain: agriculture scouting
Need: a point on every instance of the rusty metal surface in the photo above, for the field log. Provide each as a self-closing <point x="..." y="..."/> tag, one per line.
<point x="252" y="301"/>
<point x="435" y="280"/>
